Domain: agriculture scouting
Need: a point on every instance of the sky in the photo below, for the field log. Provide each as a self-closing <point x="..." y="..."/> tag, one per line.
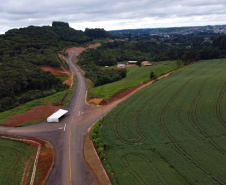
<point x="112" y="14"/>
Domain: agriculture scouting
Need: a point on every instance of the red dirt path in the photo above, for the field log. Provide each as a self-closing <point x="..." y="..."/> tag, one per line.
<point x="131" y="90"/>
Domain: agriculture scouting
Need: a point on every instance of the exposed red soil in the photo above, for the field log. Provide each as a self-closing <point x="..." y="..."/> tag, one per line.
<point x="119" y="95"/>
<point x="55" y="71"/>
<point x="75" y="49"/>
<point x="61" y="71"/>
<point x="37" y="113"/>
<point x="96" y="101"/>
<point x="45" y="161"/>
<point x="94" y="45"/>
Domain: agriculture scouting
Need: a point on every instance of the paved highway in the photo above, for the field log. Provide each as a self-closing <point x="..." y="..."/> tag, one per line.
<point x="67" y="137"/>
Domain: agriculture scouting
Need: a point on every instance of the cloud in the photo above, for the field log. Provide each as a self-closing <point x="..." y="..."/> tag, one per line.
<point x="117" y="14"/>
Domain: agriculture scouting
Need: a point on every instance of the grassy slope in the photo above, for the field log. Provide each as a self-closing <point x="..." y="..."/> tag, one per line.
<point x="13" y="155"/>
<point x="56" y="98"/>
<point x="62" y="77"/>
<point x="135" y="76"/>
<point x="173" y="131"/>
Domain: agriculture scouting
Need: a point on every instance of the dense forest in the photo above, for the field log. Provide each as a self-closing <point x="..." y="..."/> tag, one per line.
<point x="92" y="62"/>
<point x="185" y="49"/>
<point x="23" y="50"/>
<point x="97" y="33"/>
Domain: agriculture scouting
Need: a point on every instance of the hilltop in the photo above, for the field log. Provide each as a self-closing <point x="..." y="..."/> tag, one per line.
<point x="23" y="51"/>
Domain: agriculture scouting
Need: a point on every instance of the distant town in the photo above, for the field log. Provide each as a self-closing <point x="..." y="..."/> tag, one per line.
<point x="174" y="30"/>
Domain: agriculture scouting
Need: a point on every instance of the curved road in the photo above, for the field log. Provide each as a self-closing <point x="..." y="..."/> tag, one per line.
<point x="67" y="136"/>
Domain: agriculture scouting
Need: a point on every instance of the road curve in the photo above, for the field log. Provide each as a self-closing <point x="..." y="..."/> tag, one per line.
<point x="67" y="137"/>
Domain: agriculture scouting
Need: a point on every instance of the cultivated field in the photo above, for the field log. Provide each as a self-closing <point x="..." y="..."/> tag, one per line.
<point x="135" y="76"/>
<point x="16" y="162"/>
<point x="173" y="131"/>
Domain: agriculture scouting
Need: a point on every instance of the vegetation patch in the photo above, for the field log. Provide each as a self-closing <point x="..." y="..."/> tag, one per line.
<point x="62" y="77"/>
<point x="135" y="76"/>
<point x="171" y="132"/>
<point x="14" y="155"/>
<point x="100" y="145"/>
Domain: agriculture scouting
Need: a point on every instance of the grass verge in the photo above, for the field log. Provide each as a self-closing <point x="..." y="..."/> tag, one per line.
<point x="100" y="145"/>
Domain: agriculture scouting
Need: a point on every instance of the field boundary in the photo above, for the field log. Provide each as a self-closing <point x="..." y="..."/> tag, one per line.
<point x="134" y="89"/>
<point x="37" y="154"/>
<point x="98" y="169"/>
<point x="42" y="158"/>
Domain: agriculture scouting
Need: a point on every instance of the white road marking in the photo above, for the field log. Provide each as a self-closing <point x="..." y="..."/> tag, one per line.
<point x="78" y="113"/>
<point x="86" y="98"/>
<point x="65" y="127"/>
<point x="60" y="128"/>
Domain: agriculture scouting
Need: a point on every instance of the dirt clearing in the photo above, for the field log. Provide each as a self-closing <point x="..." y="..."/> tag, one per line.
<point x="38" y="113"/>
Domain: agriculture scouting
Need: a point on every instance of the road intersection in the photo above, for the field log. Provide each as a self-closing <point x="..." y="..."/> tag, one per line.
<point x="67" y="136"/>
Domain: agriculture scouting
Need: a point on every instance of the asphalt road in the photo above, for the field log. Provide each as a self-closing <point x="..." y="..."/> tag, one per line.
<point x="67" y="137"/>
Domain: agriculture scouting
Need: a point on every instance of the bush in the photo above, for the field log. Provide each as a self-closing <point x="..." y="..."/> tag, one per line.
<point x="152" y="76"/>
<point x="100" y="145"/>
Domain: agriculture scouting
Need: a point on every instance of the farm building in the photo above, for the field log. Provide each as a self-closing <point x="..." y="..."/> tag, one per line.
<point x="132" y="62"/>
<point x="57" y="115"/>
<point x="121" y="65"/>
<point x="146" y="63"/>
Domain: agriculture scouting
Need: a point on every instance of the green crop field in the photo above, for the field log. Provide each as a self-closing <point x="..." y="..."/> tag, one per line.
<point x="135" y="76"/>
<point x="171" y="132"/>
<point x="13" y="156"/>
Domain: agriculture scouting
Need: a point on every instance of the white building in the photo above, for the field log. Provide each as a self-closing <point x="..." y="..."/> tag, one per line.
<point x="121" y="65"/>
<point x="132" y="62"/>
<point x="57" y="115"/>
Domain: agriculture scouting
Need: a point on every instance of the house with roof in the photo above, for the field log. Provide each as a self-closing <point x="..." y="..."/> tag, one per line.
<point x="132" y="62"/>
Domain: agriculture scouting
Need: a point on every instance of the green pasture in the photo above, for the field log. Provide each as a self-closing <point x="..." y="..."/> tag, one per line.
<point x="13" y="156"/>
<point x="135" y="76"/>
<point x="171" y="132"/>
